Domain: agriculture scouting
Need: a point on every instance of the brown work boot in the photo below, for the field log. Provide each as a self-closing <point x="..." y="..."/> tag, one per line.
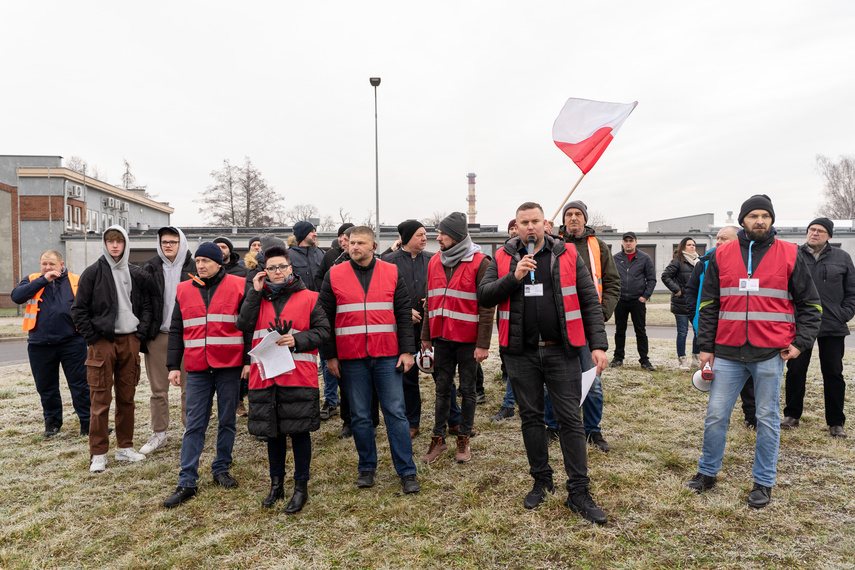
<point x="241" y="410"/>
<point x="437" y="448"/>
<point x="463" y="453"/>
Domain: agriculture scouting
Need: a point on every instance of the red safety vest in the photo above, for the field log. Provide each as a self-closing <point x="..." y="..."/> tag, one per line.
<point x="298" y="309"/>
<point x="365" y="324"/>
<point x="211" y="339"/>
<point x="764" y="318"/>
<point x="453" y="306"/>
<point x="572" y="312"/>
<point x="31" y="311"/>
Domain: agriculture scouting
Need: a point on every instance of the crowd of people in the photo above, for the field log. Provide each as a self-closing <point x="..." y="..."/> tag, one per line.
<point x="361" y="320"/>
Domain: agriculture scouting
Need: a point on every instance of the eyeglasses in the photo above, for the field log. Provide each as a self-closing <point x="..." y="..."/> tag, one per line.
<point x="279" y="268"/>
<point x="169" y="243"/>
<point x="817" y="231"/>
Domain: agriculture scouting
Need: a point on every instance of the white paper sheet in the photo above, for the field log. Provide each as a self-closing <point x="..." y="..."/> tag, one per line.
<point x="271" y="358"/>
<point x="587" y="381"/>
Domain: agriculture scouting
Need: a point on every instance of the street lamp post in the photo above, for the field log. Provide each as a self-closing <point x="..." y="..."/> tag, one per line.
<point x="375" y="81"/>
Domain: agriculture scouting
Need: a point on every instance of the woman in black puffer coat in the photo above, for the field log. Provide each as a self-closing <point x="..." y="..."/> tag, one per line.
<point x="675" y="277"/>
<point x="287" y="404"/>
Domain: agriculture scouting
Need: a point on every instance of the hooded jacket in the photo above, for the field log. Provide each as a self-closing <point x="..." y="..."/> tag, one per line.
<point x="305" y="262"/>
<point x="493" y="291"/>
<point x="610" y="275"/>
<point x="97" y="307"/>
<point x="162" y="305"/>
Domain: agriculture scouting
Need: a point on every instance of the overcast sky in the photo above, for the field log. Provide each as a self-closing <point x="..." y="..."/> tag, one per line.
<point x="735" y="98"/>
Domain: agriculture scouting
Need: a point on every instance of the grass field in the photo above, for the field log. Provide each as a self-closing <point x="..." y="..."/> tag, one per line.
<point x="57" y="515"/>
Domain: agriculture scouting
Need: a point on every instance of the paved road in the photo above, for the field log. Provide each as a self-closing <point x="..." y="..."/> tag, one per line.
<point x="13" y="352"/>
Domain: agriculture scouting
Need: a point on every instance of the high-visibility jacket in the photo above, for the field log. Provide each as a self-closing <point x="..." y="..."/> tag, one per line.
<point x="453" y="306"/>
<point x="298" y="309"/>
<point x="764" y="318"/>
<point x="572" y="312"/>
<point x="365" y="324"/>
<point x="211" y="339"/>
<point x="31" y="311"/>
<point x="596" y="265"/>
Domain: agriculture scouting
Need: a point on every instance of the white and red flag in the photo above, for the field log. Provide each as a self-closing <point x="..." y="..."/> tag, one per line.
<point x="584" y="129"/>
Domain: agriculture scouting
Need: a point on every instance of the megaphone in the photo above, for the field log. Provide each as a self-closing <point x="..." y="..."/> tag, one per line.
<point x="702" y="379"/>
<point x="424" y="360"/>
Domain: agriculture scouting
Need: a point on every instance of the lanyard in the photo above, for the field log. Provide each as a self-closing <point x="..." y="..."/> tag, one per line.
<point x="750" y="246"/>
<point x="531" y="273"/>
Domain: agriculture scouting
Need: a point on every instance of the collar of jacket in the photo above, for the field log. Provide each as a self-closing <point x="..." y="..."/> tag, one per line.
<point x="213" y="280"/>
<point x="368" y="267"/>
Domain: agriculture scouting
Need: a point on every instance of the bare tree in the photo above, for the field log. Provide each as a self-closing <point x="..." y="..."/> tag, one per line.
<point x="299" y="213"/>
<point x="327" y="224"/>
<point x="345" y="216"/>
<point x="240" y="196"/>
<point x="599" y="220"/>
<point x="839" y="188"/>
<point x="79" y="164"/>
<point x="129" y="181"/>
<point x="434" y="219"/>
<point x="369" y="220"/>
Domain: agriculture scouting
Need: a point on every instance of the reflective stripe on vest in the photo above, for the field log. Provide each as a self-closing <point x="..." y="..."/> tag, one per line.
<point x="298" y="310"/>
<point x="567" y="276"/>
<point x="764" y="318"/>
<point x="31" y="311"/>
<point x="365" y="324"/>
<point x="211" y="339"/>
<point x="596" y="265"/>
<point x="453" y="305"/>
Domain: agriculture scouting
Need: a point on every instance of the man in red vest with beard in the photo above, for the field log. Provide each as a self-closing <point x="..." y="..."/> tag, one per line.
<point x="759" y="307"/>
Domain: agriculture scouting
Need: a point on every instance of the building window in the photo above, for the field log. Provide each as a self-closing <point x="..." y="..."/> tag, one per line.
<point x="104" y="221"/>
<point x="77" y="221"/>
<point x="69" y="212"/>
<point x="92" y="220"/>
<point x="109" y="221"/>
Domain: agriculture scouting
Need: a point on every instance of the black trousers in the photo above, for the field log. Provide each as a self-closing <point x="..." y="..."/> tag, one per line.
<point x="831" y="349"/>
<point x="638" y="311"/>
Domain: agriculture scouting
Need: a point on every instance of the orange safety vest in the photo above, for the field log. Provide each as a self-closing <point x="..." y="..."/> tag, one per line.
<point x="596" y="265"/>
<point x="453" y="306"/>
<point x="572" y="312"/>
<point x="365" y="324"/>
<point x="298" y="309"/>
<point x="31" y="311"/>
<point x="764" y="318"/>
<point x="211" y="339"/>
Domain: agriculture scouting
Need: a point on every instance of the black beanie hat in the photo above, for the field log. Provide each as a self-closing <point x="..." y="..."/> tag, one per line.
<point x="343" y="228"/>
<point x="210" y="250"/>
<point x="756" y="202"/>
<point x="454" y="225"/>
<point x="302" y="229"/>
<point x="253" y="240"/>
<point x="226" y="241"/>
<point x="826" y="223"/>
<point x="579" y="205"/>
<point x="408" y="229"/>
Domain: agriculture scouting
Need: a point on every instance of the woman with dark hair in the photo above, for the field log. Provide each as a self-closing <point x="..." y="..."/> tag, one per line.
<point x="286" y="405"/>
<point x="676" y="277"/>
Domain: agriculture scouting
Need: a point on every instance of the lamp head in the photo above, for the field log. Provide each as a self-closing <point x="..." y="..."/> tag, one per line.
<point x="375" y="81"/>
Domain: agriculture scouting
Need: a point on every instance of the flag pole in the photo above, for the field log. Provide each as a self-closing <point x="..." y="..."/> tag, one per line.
<point x="567" y="198"/>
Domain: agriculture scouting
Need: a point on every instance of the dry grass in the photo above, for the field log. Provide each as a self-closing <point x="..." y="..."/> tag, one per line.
<point x="55" y="514"/>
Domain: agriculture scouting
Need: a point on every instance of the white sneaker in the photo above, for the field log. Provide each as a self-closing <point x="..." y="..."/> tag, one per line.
<point x="696" y="362"/>
<point x="98" y="464"/>
<point x="682" y="361"/>
<point x="129" y="454"/>
<point x="157" y="439"/>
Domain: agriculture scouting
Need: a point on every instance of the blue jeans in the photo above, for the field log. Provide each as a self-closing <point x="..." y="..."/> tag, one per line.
<point x="380" y="373"/>
<point x="592" y="407"/>
<point x="730" y="377"/>
<point x="682" y="333"/>
<point x="548" y="412"/>
<point x="201" y="387"/>
<point x="330" y="383"/>
<point x="508" y="401"/>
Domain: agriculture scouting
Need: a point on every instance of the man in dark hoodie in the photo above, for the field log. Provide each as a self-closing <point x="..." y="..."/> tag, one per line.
<point x="52" y="340"/>
<point x="759" y="308"/>
<point x="204" y="334"/>
<point x="306" y="256"/>
<point x="172" y="265"/>
<point x="113" y="312"/>
<point x="231" y="260"/>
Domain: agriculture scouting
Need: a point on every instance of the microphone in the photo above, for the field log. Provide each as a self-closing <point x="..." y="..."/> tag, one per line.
<point x="531" y="242"/>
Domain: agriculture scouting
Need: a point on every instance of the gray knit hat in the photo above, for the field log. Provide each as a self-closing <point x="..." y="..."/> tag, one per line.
<point x="579" y="205"/>
<point x="454" y="225"/>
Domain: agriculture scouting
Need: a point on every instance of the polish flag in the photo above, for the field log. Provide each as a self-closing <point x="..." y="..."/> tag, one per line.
<point x="584" y="129"/>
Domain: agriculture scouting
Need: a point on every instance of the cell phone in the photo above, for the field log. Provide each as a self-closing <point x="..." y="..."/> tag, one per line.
<point x="399" y="369"/>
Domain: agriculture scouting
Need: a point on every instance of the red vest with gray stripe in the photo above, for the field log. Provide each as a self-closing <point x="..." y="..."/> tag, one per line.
<point x="365" y="324"/>
<point x="764" y="318"/>
<point x="572" y="313"/>
<point x="453" y="306"/>
<point x="297" y="309"/>
<point x="211" y="339"/>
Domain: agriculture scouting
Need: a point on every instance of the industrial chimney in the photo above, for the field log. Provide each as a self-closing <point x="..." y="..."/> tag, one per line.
<point x="471" y="198"/>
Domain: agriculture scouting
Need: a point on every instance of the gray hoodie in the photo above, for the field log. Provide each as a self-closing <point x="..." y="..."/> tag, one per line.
<point x="126" y="321"/>
<point x="171" y="277"/>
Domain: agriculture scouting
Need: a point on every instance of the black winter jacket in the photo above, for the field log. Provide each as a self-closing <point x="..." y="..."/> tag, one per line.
<point x="327" y="262"/>
<point x="676" y="276"/>
<point x="305" y="262"/>
<point x="637" y="277"/>
<point x="834" y="277"/>
<point x="278" y="410"/>
<point x="94" y="308"/>
<point x="53" y="321"/>
<point x="232" y="266"/>
<point x="154" y="267"/>
<point x="493" y="291"/>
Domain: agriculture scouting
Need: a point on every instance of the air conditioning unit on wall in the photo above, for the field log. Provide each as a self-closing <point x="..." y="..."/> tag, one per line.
<point x="125" y="206"/>
<point x="111" y="202"/>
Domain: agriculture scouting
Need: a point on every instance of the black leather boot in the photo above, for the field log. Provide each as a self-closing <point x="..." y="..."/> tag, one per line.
<point x="301" y="495"/>
<point x="276" y="492"/>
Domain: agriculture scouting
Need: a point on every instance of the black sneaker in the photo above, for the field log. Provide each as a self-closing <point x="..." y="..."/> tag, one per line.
<point x="648" y="366"/>
<point x="616" y="363"/>
<point x="538" y="493"/>
<point x="480" y="398"/>
<point x="552" y="435"/>
<point x="503" y="414"/>
<point x="52" y="427"/>
<point x="759" y="496"/>
<point x="181" y="495"/>
<point x="580" y="501"/>
<point x="700" y="483"/>
<point x="225" y="480"/>
<point x="345" y="432"/>
<point x="328" y="411"/>
<point x="750" y="424"/>
<point x="595" y="438"/>
<point x="410" y="484"/>
<point x="365" y="479"/>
